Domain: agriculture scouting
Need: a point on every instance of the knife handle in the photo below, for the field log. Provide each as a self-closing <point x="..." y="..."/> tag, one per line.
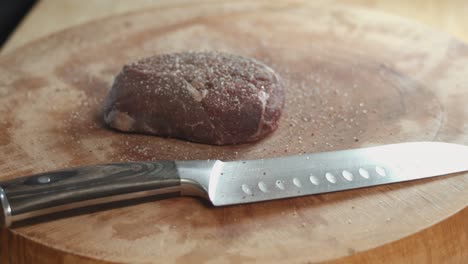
<point x="61" y="190"/>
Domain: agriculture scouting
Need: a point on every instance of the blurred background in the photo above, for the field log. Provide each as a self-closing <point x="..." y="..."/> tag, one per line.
<point x="24" y="20"/>
<point x="11" y="14"/>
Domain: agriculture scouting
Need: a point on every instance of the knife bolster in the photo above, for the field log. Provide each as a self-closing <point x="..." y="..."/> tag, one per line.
<point x="197" y="176"/>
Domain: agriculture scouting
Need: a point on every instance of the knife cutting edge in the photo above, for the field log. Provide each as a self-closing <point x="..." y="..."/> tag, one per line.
<point x="228" y="183"/>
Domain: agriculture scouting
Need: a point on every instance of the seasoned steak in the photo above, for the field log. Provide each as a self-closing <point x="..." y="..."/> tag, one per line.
<point x="207" y="97"/>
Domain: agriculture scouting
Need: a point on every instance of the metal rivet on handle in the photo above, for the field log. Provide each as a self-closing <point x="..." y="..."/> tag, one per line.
<point x="43" y="179"/>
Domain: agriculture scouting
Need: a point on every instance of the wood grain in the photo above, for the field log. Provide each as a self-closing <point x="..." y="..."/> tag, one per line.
<point x="354" y="78"/>
<point x="424" y="246"/>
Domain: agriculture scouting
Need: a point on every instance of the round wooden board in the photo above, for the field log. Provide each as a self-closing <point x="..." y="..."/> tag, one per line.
<point x="354" y="78"/>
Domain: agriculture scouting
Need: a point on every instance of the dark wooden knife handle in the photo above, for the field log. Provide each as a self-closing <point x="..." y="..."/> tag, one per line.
<point x="55" y="191"/>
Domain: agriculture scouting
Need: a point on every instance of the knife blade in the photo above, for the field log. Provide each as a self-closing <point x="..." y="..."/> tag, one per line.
<point x="231" y="182"/>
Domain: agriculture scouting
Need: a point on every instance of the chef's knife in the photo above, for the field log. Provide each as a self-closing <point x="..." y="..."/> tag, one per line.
<point x="227" y="183"/>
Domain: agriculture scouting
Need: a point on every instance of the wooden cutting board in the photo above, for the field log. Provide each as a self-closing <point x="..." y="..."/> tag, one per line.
<point x="354" y="78"/>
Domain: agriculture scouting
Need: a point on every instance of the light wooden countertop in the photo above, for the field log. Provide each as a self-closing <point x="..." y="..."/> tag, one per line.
<point x="49" y="16"/>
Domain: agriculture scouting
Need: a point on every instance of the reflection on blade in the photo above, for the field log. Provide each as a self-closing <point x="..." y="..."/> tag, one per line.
<point x="268" y="179"/>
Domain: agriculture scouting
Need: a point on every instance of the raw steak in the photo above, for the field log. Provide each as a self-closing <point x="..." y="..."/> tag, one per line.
<point x="207" y="97"/>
